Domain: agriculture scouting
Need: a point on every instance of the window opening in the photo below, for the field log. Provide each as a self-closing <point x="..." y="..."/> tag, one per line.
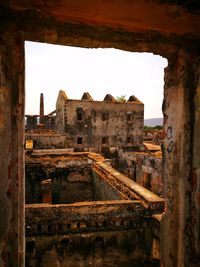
<point x="128" y="140"/>
<point x="104" y="140"/>
<point x="79" y="116"/>
<point x="79" y="140"/>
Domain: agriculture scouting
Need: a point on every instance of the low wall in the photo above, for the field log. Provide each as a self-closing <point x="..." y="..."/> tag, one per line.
<point x="47" y="141"/>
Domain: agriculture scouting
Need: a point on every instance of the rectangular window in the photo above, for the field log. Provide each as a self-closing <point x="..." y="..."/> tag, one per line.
<point x="128" y="140"/>
<point x="104" y="116"/>
<point x="128" y="117"/>
<point x="79" y="116"/>
<point x="79" y="140"/>
<point x="104" y="140"/>
<point x="147" y="180"/>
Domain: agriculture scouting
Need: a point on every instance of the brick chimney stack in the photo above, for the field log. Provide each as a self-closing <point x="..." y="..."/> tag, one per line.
<point x="41" y="107"/>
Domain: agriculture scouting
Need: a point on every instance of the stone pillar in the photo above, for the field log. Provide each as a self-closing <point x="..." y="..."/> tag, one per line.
<point x="177" y="236"/>
<point x="11" y="149"/>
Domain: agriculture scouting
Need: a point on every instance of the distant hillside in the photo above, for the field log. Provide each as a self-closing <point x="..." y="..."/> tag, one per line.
<point x="153" y="122"/>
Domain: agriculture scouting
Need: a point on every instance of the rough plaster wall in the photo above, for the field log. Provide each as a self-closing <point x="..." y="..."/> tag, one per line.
<point x="102" y="190"/>
<point x="195" y="178"/>
<point x="11" y="149"/>
<point x="177" y="236"/>
<point x="46" y="141"/>
<point x="152" y="166"/>
<point x="34" y="175"/>
<point x="137" y="165"/>
<point x="70" y="186"/>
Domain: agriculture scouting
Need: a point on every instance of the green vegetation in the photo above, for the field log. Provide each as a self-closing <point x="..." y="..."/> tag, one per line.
<point x="157" y="127"/>
<point x="121" y="98"/>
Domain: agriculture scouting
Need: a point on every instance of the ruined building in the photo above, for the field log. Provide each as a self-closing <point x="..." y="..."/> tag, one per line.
<point x="41" y="123"/>
<point x="99" y="125"/>
<point x="88" y="213"/>
<point x="169" y="28"/>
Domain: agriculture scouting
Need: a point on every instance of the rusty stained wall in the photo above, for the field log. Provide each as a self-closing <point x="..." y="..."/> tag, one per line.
<point x="100" y="120"/>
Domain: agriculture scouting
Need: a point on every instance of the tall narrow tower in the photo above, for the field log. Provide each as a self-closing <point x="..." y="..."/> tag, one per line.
<point x="41" y="108"/>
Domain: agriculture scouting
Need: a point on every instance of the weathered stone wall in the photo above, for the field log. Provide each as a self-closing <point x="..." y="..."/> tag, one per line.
<point x="71" y="181"/>
<point x="194" y="206"/>
<point x="110" y="248"/>
<point x="112" y="233"/>
<point x="102" y="190"/>
<point x="36" y="124"/>
<point x="73" y="184"/>
<point x="101" y="123"/>
<point x="11" y="148"/>
<point x="47" y="140"/>
<point x="34" y="175"/>
<point x="143" y="168"/>
<point x="180" y="185"/>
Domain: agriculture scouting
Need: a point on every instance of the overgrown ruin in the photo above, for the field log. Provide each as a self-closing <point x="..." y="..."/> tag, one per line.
<point x="166" y="28"/>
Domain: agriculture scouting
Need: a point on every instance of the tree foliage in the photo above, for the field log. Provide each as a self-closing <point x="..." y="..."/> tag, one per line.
<point x="157" y="127"/>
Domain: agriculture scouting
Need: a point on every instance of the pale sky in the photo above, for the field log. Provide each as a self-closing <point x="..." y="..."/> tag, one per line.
<point x="75" y="70"/>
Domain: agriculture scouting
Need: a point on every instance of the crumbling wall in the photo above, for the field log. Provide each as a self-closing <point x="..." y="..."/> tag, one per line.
<point x="111" y="233"/>
<point x="47" y="140"/>
<point x="72" y="185"/>
<point x="194" y="207"/>
<point x="143" y="168"/>
<point x="11" y="148"/>
<point x="34" y="175"/>
<point x="100" y="123"/>
<point x="102" y="190"/>
<point x="178" y="234"/>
